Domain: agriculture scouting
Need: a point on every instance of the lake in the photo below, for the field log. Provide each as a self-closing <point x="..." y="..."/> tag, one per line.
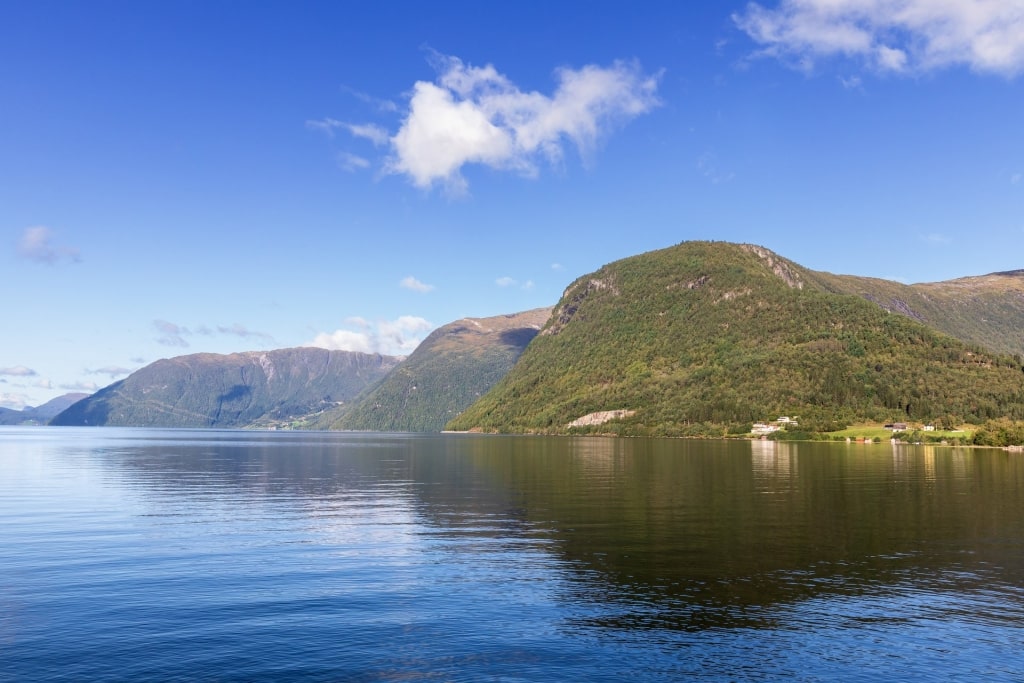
<point x="239" y="556"/>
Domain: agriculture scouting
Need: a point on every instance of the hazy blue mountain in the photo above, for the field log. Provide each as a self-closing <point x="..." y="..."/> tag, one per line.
<point x="265" y="388"/>
<point x="39" y="414"/>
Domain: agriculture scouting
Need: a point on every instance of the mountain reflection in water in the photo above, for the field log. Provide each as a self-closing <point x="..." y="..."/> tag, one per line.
<point x="371" y="556"/>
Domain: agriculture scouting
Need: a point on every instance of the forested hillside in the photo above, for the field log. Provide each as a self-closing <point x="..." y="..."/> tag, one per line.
<point x="703" y="337"/>
<point x="986" y="310"/>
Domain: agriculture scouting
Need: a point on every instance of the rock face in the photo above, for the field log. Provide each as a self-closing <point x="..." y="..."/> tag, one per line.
<point x="451" y="369"/>
<point x="599" y="418"/>
<point x="251" y="389"/>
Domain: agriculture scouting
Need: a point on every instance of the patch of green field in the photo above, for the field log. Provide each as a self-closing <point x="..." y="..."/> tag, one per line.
<point x="871" y="431"/>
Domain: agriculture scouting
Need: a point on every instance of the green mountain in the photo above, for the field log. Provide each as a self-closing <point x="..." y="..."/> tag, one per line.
<point x="986" y="310"/>
<point x="39" y="414"/>
<point x="251" y="389"/>
<point x="447" y="372"/>
<point x="703" y="337"/>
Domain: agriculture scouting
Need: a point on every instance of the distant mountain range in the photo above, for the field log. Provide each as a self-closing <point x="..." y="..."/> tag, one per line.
<point x="704" y="337"/>
<point x="694" y="339"/>
<point x="252" y="389"/>
<point x="40" y="414"/>
<point x="451" y="369"/>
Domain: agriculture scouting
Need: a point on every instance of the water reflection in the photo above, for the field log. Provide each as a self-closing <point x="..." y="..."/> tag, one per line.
<point x="631" y="536"/>
<point x="774" y="464"/>
<point x="706" y="530"/>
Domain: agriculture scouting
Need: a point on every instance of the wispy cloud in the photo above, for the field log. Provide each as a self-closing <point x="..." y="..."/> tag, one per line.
<point x="398" y="337"/>
<point x="475" y="115"/>
<point x="240" y="330"/>
<point x="36" y="244"/>
<point x="13" y="401"/>
<point x="851" y="83"/>
<point x="376" y="102"/>
<point x="18" y="371"/>
<point x="111" y="371"/>
<point x="369" y="131"/>
<point x="894" y="36"/>
<point x="935" y="239"/>
<point x="557" y="266"/>
<point x="507" y="282"/>
<point x="352" y="162"/>
<point x="88" y="387"/>
<point x="171" y="334"/>
<point x="708" y="166"/>
<point x="415" y="285"/>
<point x="1015" y="178"/>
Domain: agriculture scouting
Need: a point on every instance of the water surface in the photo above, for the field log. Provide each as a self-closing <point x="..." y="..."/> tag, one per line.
<point x="229" y="555"/>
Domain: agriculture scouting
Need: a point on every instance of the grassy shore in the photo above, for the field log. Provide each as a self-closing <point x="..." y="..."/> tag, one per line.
<point x="872" y="431"/>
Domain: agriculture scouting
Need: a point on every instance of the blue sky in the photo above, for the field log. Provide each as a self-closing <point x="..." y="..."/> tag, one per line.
<point x="183" y="177"/>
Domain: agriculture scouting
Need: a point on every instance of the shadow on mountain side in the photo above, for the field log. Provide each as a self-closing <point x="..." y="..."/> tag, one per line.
<point x="236" y="392"/>
<point x="518" y="338"/>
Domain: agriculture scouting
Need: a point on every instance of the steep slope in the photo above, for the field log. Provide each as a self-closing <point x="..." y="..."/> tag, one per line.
<point x="39" y="414"/>
<point x="703" y="336"/>
<point x="449" y="370"/>
<point x="234" y="390"/>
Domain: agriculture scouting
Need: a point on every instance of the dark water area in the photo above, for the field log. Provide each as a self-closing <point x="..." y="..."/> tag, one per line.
<point x="238" y="556"/>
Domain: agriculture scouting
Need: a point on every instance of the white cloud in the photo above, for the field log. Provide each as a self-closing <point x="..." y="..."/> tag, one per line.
<point x="18" y="371"/>
<point x="415" y="285"/>
<point x="43" y="384"/>
<point x="528" y="284"/>
<point x="557" y="266"/>
<point x="345" y="340"/>
<point x="36" y="245"/>
<point x="1016" y="178"/>
<point x="903" y="36"/>
<point x="477" y="115"/>
<point x="398" y="337"/>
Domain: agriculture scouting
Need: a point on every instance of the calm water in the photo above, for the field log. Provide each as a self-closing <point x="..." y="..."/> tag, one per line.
<point x="230" y="556"/>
